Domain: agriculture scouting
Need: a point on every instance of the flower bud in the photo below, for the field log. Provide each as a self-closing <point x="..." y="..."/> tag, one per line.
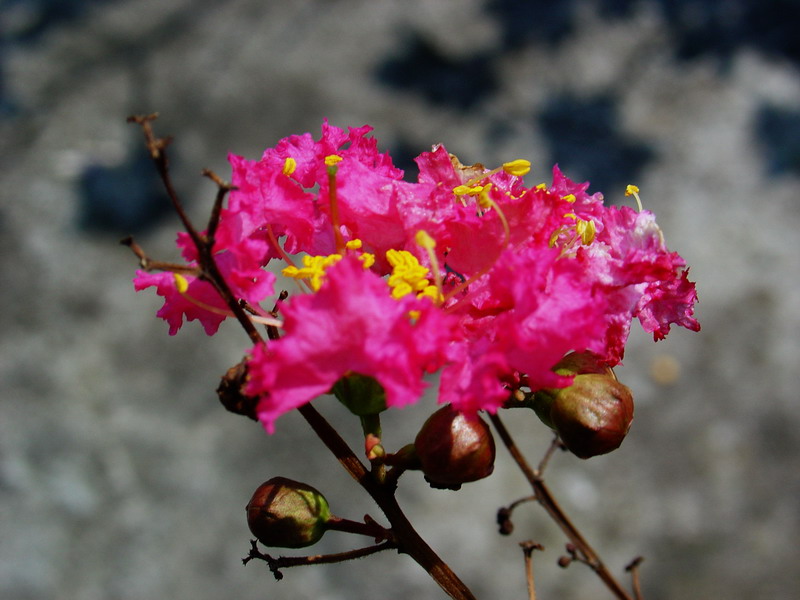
<point x="231" y="392"/>
<point x="454" y="448"/>
<point x="592" y="416"/>
<point x="287" y="514"/>
<point x="361" y="395"/>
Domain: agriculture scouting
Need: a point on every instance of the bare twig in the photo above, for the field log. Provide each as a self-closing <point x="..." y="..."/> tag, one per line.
<point x="408" y="540"/>
<point x="148" y="264"/>
<point x="284" y="562"/>
<point x="223" y="188"/>
<point x="205" y="252"/>
<point x="554" y="445"/>
<point x="527" y="549"/>
<point x="548" y="502"/>
<point x="633" y="569"/>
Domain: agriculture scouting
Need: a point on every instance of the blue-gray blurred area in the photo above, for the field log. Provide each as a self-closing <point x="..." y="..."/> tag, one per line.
<point x="121" y="477"/>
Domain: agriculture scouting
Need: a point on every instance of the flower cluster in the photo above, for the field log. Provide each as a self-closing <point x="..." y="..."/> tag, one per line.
<point x="466" y="272"/>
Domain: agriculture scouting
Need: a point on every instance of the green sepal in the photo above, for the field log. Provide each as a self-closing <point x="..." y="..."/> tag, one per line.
<point x="362" y="395"/>
<point x="542" y="403"/>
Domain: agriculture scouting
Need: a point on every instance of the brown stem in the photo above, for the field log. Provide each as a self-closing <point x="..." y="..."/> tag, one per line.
<point x="369" y="528"/>
<point x="527" y="549"/>
<point x="148" y="264"/>
<point x="284" y="562"/>
<point x="222" y="190"/>
<point x="157" y="147"/>
<point x="633" y="569"/>
<point x="546" y="499"/>
<point x="204" y="246"/>
<point x="408" y="540"/>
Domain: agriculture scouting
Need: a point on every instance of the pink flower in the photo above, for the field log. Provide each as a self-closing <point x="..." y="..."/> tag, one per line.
<point x="514" y="277"/>
<point x="351" y="325"/>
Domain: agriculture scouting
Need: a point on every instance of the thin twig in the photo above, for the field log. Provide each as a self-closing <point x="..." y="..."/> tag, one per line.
<point x="504" y="514"/>
<point x="205" y="253"/>
<point x="157" y="147"/>
<point x="633" y="569"/>
<point x="554" y="445"/>
<point x="408" y="540"/>
<point x="148" y="264"/>
<point x="285" y="562"/>
<point x="527" y="550"/>
<point x="223" y="188"/>
<point x="546" y="499"/>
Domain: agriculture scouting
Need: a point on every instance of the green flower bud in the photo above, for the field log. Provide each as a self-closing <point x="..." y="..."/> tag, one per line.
<point x="454" y="448"/>
<point x="287" y="514"/>
<point x="592" y="416"/>
<point x="361" y="395"/>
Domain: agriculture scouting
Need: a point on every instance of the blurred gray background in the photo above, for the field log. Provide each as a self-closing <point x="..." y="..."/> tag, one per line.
<point x="121" y="477"/>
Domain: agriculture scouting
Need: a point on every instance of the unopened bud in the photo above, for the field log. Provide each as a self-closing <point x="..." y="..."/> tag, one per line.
<point x="287" y="514"/>
<point x="593" y="415"/>
<point x="361" y="395"/>
<point x="455" y="448"/>
<point x="231" y="392"/>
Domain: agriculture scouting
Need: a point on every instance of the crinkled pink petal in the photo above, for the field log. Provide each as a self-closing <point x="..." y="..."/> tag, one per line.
<point x="368" y="205"/>
<point x="555" y="310"/>
<point x="177" y="306"/>
<point x="475" y="378"/>
<point x="667" y="302"/>
<point x="265" y="196"/>
<point x="350" y="325"/>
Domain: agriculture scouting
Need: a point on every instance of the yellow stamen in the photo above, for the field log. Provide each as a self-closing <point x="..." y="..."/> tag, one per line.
<point x="632" y="190"/>
<point x="367" y="259"/>
<point x="433" y="293"/>
<point x="569" y="198"/>
<point x="313" y="269"/>
<point x="484" y="201"/>
<point x="541" y="186"/>
<point x="181" y="283"/>
<point x="429" y="244"/>
<point x="332" y="159"/>
<point x="289" y="166"/>
<point x="554" y="237"/>
<point x="517" y="167"/>
<point x="407" y="274"/>
<point x="587" y="231"/>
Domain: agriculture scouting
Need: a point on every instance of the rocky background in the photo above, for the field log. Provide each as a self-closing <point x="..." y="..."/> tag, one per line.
<point x="121" y="477"/>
